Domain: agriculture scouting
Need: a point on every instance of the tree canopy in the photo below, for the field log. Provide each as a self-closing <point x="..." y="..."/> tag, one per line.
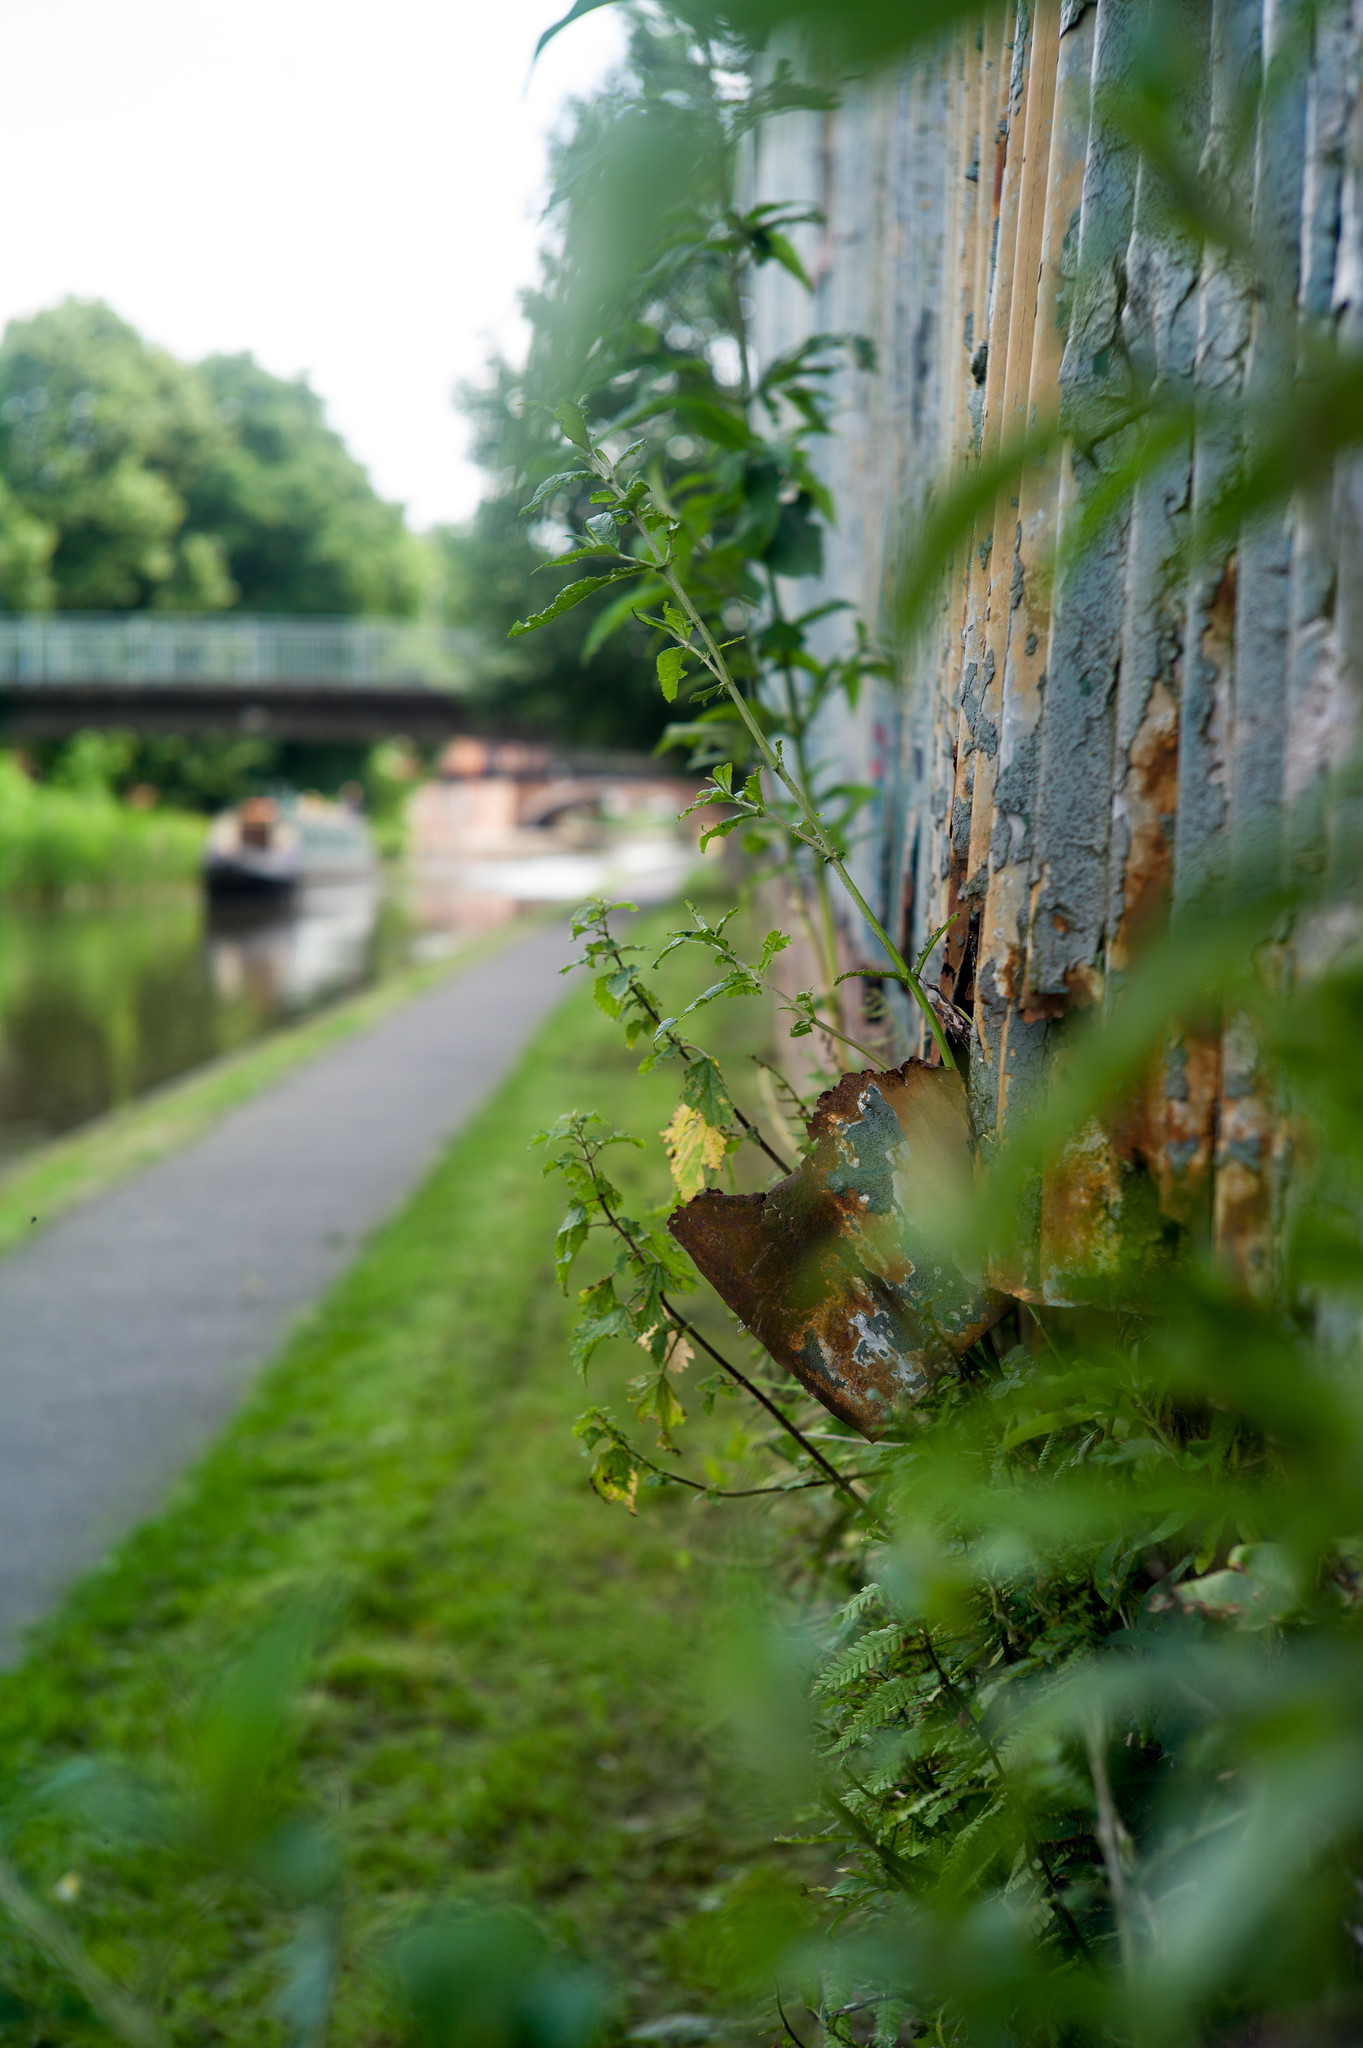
<point x="129" y="479"/>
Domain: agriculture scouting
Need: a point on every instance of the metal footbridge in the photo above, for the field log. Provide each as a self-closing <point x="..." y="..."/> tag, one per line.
<point x="285" y="678"/>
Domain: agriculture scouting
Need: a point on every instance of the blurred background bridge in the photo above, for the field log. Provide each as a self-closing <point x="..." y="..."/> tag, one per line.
<point x="284" y="678"/>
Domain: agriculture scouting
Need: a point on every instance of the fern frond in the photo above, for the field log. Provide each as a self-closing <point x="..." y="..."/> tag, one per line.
<point x="858" y="1604"/>
<point x="885" y="1704"/>
<point x="861" y="1657"/>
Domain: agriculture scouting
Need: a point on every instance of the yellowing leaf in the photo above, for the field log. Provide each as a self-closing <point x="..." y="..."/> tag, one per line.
<point x="677" y="1353"/>
<point x="615" y="1476"/>
<point x="693" y="1148"/>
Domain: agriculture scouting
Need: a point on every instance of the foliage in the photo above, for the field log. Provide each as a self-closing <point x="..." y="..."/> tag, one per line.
<point x="641" y="296"/>
<point x="99" y="435"/>
<point x="204" y="772"/>
<point x="301" y="525"/>
<point x="128" y="479"/>
<point x="73" y="839"/>
<point x="131" y="479"/>
<point x="1086" y="1747"/>
<point x="545" y="688"/>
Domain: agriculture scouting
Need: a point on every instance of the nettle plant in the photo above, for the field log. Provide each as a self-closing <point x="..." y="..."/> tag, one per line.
<point x="797" y="824"/>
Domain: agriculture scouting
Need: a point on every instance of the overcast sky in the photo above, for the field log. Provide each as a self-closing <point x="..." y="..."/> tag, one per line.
<point x="347" y="190"/>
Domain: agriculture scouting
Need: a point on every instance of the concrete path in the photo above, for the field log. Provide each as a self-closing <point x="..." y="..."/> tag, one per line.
<point x="129" y="1330"/>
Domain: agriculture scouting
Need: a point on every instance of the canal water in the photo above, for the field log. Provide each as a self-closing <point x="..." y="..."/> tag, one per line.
<point x="100" y="1006"/>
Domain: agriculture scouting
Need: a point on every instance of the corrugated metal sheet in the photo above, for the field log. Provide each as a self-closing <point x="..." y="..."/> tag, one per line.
<point x="1067" y="758"/>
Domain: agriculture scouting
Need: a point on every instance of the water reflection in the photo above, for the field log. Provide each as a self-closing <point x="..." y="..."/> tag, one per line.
<point x="281" y="962"/>
<point x="100" y="1006"/>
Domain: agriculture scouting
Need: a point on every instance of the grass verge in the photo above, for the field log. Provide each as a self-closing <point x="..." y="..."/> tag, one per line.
<point x="68" y="842"/>
<point x="71" y="1170"/>
<point x="505" y="1702"/>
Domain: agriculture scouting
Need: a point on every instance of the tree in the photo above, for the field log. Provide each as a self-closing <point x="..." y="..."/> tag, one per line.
<point x="100" y="435"/>
<point x="131" y="480"/>
<point x="302" y="526"/>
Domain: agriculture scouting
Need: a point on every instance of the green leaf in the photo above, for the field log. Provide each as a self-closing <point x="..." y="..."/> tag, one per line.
<point x="569" y="1239"/>
<point x="863" y="1656"/>
<point x="775" y="942"/>
<point x="571" y="420"/>
<point x="609" y="990"/>
<point x="721" y="830"/>
<point x="605" y="1317"/>
<point x="1040" y="1425"/>
<point x="550" y="488"/>
<point x="796" y="547"/>
<point x="717" y="423"/>
<point x="571" y="595"/>
<point x="575" y="13"/>
<point x="580" y="554"/>
<point x="671" y="671"/>
<point x="614" y="615"/>
<point x="783" y="252"/>
<point x="703" y="1089"/>
<point x="654" y="1399"/>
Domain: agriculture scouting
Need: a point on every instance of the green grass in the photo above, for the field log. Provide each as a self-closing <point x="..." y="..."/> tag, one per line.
<point x="70" y="1170"/>
<point x="61" y="843"/>
<point x="506" y="1703"/>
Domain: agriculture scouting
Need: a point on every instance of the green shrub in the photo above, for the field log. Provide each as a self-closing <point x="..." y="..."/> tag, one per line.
<point x="62" y="843"/>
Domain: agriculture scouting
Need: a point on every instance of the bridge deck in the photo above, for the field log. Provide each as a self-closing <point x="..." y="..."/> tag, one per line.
<point x="293" y="678"/>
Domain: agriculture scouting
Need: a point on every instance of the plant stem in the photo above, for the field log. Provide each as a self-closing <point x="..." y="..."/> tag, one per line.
<point x="751" y="1387"/>
<point x="817" y="837"/>
<point x="1110" y="1833"/>
<point x="683" y="1051"/>
<point x="799" y="728"/>
<point x="681" y="1322"/>
<point x="786" y="2023"/>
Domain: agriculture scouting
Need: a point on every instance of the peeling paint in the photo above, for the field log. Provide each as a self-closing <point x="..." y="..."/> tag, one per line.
<point x="1079" y="758"/>
<point x="841" y="1269"/>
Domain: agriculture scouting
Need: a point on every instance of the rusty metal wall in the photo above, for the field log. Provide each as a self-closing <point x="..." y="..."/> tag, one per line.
<point x="1065" y="761"/>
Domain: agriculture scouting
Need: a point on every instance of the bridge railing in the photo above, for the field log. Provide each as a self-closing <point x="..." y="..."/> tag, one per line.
<point x="176" y="649"/>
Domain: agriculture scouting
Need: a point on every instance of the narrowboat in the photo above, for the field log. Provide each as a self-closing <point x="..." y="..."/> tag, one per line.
<point x="272" y="846"/>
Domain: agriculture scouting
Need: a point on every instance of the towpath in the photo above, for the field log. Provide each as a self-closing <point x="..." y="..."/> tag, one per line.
<point x="130" y="1328"/>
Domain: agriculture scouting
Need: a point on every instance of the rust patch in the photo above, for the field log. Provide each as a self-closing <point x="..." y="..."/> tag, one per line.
<point x="1251" y="1142"/>
<point x="840" y="1269"/>
<point x="1080" y="1218"/>
<point x="1150" y="798"/>
<point x="1084" y="985"/>
<point x="1104" y="1227"/>
<point x="1192" y="1089"/>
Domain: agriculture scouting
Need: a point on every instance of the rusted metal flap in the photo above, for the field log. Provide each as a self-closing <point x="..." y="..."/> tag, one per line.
<point x="839" y="1269"/>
